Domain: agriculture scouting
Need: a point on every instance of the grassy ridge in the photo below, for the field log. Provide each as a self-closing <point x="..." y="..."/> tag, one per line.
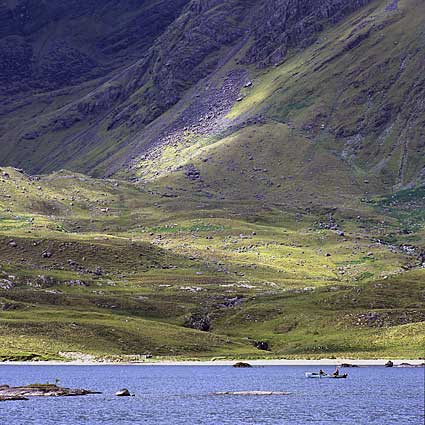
<point x="110" y="268"/>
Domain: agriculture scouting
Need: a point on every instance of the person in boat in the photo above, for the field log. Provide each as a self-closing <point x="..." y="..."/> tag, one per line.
<point x="336" y="373"/>
<point x="322" y="372"/>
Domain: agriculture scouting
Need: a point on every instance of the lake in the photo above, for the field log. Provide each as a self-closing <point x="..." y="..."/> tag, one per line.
<point x="182" y="395"/>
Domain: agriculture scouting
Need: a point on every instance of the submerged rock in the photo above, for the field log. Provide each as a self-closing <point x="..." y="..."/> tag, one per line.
<point x="411" y="365"/>
<point x="253" y="393"/>
<point x="12" y="398"/>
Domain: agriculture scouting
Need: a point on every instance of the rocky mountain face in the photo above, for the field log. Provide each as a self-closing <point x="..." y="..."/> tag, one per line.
<point x="107" y="85"/>
<point x="45" y="45"/>
<point x="284" y="24"/>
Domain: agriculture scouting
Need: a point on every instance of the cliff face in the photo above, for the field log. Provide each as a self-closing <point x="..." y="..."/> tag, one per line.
<point x="280" y="25"/>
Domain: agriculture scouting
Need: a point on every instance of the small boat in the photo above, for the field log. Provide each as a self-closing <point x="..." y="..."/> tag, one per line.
<point x="325" y="376"/>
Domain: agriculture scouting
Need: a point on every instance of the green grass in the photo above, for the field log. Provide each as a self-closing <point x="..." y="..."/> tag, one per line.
<point x="248" y="243"/>
<point x="163" y="259"/>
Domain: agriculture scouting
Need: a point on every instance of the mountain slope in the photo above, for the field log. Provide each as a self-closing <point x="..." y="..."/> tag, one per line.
<point x="251" y="155"/>
<point x="355" y="94"/>
<point x="350" y="85"/>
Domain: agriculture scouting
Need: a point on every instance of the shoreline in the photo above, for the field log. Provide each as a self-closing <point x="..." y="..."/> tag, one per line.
<point x="255" y="363"/>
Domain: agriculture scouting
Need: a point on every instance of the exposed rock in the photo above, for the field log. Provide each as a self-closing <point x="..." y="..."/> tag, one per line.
<point x="192" y="173"/>
<point x="9" y="306"/>
<point x="231" y="302"/>
<point x="46" y="254"/>
<point x="408" y="365"/>
<point x="375" y="319"/>
<point x="389" y="364"/>
<point x="200" y="323"/>
<point x="76" y="282"/>
<point x="284" y="24"/>
<point x="45" y="281"/>
<point x="393" y="6"/>
<point x="12" y="398"/>
<point x="41" y="390"/>
<point x="98" y="271"/>
<point x="262" y="345"/>
<point x="6" y="284"/>
<point x="242" y="365"/>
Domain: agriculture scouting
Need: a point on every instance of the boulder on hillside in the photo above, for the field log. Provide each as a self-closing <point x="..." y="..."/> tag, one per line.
<point x="192" y="173"/>
<point x="198" y="322"/>
<point x="262" y="345"/>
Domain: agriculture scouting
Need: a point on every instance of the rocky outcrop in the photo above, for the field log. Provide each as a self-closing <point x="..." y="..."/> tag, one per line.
<point x="242" y="365"/>
<point x="39" y="390"/>
<point x="199" y="322"/>
<point x="262" y="345"/>
<point x="123" y="393"/>
<point x="284" y="24"/>
<point x="39" y="49"/>
<point x="374" y="319"/>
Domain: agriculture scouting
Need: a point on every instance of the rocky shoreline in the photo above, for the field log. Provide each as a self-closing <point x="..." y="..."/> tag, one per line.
<point x="8" y="393"/>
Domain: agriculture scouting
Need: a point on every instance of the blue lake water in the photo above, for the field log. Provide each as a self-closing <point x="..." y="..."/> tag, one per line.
<point x="182" y="395"/>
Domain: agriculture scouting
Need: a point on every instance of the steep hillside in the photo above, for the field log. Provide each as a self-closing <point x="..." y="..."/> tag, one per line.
<point x="213" y="43"/>
<point x="345" y="76"/>
<point x="354" y="95"/>
<point x="53" y="53"/>
<point x="48" y="45"/>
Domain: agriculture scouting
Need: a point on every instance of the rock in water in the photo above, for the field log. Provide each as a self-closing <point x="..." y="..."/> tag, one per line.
<point x="12" y="398"/>
<point x="39" y="390"/>
<point x="242" y="365"/>
<point x="253" y="393"/>
<point x="389" y="364"/>
<point x="123" y="393"/>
